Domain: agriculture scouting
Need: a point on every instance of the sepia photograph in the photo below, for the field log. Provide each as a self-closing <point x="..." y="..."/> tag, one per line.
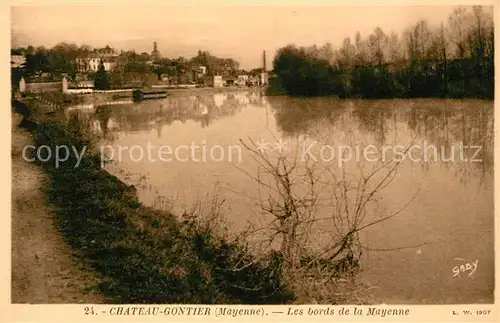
<point x="254" y="153"/>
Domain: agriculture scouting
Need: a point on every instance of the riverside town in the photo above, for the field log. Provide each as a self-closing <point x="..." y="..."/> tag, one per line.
<point x="327" y="160"/>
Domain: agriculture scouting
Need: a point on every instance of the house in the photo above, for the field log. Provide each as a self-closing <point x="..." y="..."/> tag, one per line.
<point x="229" y="80"/>
<point x="87" y="84"/>
<point x="81" y="77"/>
<point x="253" y="80"/>
<point x="88" y="64"/>
<point x="164" y="78"/>
<point x="105" y="52"/>
<point x="218" y="81"/>
<point x="18" y="82"/>
<point x="207" y="81"/>
<point x="264" y="78"/>
<point x="22" y="85"/>
<point x="199" y="72"/>
<point x="81" y="87"/>
<point x="17" y="60"/>
<point x="109" y="63"/>
<point x="91" y="61"/>
<point x="242" y="80"/>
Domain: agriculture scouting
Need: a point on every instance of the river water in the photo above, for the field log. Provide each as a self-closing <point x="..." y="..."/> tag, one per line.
<point x="443" y="200"/>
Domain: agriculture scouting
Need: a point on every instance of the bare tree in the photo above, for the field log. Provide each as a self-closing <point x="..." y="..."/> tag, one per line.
<point x="418" y="40"/>
<point x="360" y="47"/>
<point x="394" y="48"/>
<point x="378" y="44"/>
<point x="345" y="56"/>
<point x="317" y="213"/>
<point x="326" y="52"/>
<point x="480" y="30"/>
<point x="457" y="23"/>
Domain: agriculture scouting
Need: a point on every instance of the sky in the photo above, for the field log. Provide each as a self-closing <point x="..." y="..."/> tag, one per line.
<point x="240" y="31"/>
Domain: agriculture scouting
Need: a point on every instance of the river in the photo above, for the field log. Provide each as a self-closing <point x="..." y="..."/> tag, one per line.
<point x="444" y="204"/>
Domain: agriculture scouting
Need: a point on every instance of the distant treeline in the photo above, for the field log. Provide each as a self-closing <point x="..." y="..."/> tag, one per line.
<point x="451" y="60"/>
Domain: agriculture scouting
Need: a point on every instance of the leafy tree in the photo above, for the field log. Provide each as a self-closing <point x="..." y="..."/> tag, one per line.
<point x="101" y="81"/>
<point x="302" y="74"/>
<point x="136" y="67"/>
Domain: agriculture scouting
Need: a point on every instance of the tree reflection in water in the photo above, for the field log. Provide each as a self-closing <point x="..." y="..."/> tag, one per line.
<point x="441" y="123"/>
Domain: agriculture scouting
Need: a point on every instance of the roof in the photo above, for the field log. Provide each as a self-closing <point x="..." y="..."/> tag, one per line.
<point x="150" y="91"/>
<point x="17" y="60"/>
<point x="81" y="84"/>
<point x="89" y="56"/>
<point x="97" y="56"/>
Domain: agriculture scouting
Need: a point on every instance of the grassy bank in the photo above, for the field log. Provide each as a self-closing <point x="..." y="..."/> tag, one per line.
<point x="145" y="255"/>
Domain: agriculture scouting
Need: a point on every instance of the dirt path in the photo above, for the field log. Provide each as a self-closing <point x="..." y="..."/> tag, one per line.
<point x="43" y="267"/>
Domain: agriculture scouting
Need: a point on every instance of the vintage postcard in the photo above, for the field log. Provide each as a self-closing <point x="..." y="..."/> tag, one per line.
<point x="274" y="161"/>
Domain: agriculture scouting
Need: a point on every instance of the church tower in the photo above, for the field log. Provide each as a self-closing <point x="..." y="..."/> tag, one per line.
<point x="155" y="54"/>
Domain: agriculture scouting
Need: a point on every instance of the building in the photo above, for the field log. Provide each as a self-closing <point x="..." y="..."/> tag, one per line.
<point x="17" y="60"/>
<point x="81" y="87"/>
<point x="218" y="81"/>
<point x="164" y="78"/>
<point x="105" y="52"/>
<point x="242" y="80"/>
<point x="155" y="54"/>
<point x="253" y="80"/>
<point x="207" y="81"/>
<point x="91" y="61"/>
<point x="18" y="83"/>
<point x="229" y="80"/>
<point x="86" y="64"/>
<point x="109" y="63"/>
<point x="264" y="78"/>
<point x="22" y="85"/>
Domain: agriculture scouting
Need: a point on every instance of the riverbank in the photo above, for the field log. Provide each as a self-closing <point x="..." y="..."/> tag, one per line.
<point x="204" y="90"/>
<point x="59" y="99"/>
<point x="44" y="269"/>
<point x="145" y="255"/>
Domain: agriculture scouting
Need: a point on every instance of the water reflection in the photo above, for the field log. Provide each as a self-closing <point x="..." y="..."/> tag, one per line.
<point x="128" y="117"/>
<point x="444" y="124"/>
<point x="454" y="206"/>
<point x="457" y="218"/>
<point x="441" y="123"/>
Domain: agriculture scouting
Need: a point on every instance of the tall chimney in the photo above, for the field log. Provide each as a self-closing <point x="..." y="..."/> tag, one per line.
<point x="264" y="60"/>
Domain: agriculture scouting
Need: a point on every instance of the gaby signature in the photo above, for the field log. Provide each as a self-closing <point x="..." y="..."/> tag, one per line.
<point x="466" y="266"/>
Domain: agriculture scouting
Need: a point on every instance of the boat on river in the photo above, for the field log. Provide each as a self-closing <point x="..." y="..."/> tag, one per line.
<point x="146" y="94"/>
